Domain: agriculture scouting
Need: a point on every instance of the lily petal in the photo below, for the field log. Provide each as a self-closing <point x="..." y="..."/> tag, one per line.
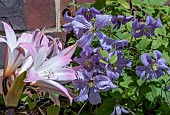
<point x="52" y="86"/>
<point x="10" y="35"/>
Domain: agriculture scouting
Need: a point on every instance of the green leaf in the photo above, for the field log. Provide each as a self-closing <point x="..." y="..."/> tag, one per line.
<point x="102" y="61"/>
<point x="137" y="3"/>
<point x="15" y="91"/>
<point x="140" y="82"/>
<point x="99" y="4"/>
<point x="106" y="108"/>
<point x="24" y="97"/>
<point x="126" y="82"/>
<point x="116" y="93"/>
<point x="113" y="59"/>
<point x="165" y="42"/>
<point x="161" y="31"/>
<point x="53" y="110"/>
<point x="149" y="10"/>
<point x="156" y="43"/>
<point x="152" y="94"/>
<point x="156" y="2"/>
<point x="32" y="104"/>
<point x="104" y="53"/>
<point x="166" y="56"/>
<point x="143" y="44"/>
<point x="124" y="3"/>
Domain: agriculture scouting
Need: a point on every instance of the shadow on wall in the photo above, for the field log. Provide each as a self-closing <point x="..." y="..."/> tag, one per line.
<point x="2" y="49"/>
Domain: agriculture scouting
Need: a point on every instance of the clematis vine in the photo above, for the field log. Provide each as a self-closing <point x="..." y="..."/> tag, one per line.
<point x="89" y="84"/>
<point x="140" y="30"/>
<point x="152" y="68"/>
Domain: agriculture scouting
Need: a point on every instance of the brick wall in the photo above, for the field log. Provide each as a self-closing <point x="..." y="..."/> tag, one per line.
<point x="25" y="15"/>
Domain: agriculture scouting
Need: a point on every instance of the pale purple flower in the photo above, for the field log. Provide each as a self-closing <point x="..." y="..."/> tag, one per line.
<point x="114" y="70"/>
<point x="89" y="59"/>
<point x="92" y="29"/>
<point x="152" y="68"/>
<point x="118" y="110"/>
<point x="69" y="19"/>
<point x="147" y="29"/>
<point x="109" y="43"/>
<point x="90" y="84"/>
<point x="88" y="13"/>
<point x="118" y="20"/>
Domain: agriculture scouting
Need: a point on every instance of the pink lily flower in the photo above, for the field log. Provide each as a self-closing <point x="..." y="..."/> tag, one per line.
<point x="16" y="49"/>
<point x="49" y="74"/>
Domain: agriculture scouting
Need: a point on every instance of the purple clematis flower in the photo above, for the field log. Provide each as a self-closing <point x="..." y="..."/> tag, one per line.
<point x="90" y="84"/>
<point x="118" y="20"/>
<point x="88" y="13"/>
<point x="152" y="68"/>
<point x="92" y="29"/>
<point x="109" y="43"/>
<point x="119" y="110"/>
<point x="141" y="29"/>
<point x="114" y="69"/>
<point x="69" y="19"/>
<point x="89" y="59"/>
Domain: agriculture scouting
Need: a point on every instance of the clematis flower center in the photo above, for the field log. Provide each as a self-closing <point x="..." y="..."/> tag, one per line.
<point x="89" y="63"/>
<point x="92" y="29"/>
<point x="90" y="83"/>
<point x="88" y="12"/>
<point x="147" y="30"/>
<point x="154" y="66"/>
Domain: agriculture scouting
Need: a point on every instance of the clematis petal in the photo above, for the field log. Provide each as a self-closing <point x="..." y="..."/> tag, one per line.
<point x="79" y="84"/>
<point x="104" y="83"/>
<point x="81" y="11"/>
<point x="83" y="95"/>
<point x="124" y="110"/>
<point x="118" y="110"/>
<point x="157" y="54"/>
<point x="102" y="21"/>
<point x="149" y="21"/>
<point x="67" y="18"/>
<point x="141" y="70"/>
<point x="136" y="26"/>
<point x="158" y="23"/>
<point x="159" y="73"/>
<point x="94" y="12"/>
<point x="86" y="39"/>
<point x="80" y="22"/>
<point x="52" y="86"/>
<point x="94" y="96"/>
<point x="146" y="59"/>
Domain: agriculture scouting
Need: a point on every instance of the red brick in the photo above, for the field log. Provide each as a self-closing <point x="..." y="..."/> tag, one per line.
<point x="79" y="2"/>
<point x="39" y="13"/>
